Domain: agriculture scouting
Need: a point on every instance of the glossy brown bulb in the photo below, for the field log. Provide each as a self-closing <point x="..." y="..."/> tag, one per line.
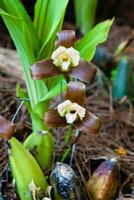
<point x="104" y="183"/>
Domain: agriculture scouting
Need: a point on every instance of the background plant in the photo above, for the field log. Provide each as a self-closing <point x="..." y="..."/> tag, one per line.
<point x="85" y="11"/>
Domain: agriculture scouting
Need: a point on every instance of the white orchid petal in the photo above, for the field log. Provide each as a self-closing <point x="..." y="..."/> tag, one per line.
<point x="74" y="55"/>
<point x="58" y="52"/>
<point x="81" y="112"/>
<point x="62" y="107"/>
<point x="71" y="117"/>
<point x="65" y="65"/>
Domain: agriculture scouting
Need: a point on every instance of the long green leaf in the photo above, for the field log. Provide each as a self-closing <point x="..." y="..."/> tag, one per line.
<point x="24" y="36"/>
<point x="25" y="169"/>
<point x="85" y="14"/>
<point x="87" y="45"/>
<point x="15" y="27"/>
<point x="48" y="20"/>
<point x="40" y="10"/>
<point x="48" y="47"/>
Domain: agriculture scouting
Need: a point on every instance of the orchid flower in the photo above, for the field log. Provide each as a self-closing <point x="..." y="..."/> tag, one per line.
<point x="72" y="111"/>
<point x="64" y="60"/>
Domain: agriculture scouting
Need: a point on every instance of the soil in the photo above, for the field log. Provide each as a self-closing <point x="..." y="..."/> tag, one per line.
<point x="117" y="117"/>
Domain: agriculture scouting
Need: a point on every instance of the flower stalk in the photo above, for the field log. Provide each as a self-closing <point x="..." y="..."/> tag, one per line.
<point x="69" y="133"/>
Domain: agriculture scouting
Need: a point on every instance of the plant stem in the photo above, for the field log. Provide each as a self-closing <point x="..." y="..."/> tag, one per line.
<point x="70" y="148"/>
<point x="37" y="123"/>
<point x="68" y="135"/>
<point x="66" y="153"/>
<point x="67" y="139"/>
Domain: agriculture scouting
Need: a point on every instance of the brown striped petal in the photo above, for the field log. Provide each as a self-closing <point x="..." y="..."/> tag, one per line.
<point x="53" y="119"/>
<point x="76" y="92"/>
<point x="7" y="128"/>
<point x="44" y="69"/>
<point x="90" y="124"/>
<point x="85" y="71"/>
<point x="65" y="38"/>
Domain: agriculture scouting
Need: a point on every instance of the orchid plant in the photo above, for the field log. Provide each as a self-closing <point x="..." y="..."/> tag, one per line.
<point x="49" y="57"/>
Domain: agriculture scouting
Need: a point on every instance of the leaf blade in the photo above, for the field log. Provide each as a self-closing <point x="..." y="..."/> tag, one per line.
<point x="55" y="88"/>
<point x="52" y="21"/>
<point x="87" y="45"/>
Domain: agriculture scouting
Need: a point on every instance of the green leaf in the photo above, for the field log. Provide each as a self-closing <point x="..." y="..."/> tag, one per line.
<point x="24" y="36"/>
<point x="48" y="48"/>
<point x="85" y="14"/>
<point x="54" y="86"/>
<point x="25" y="169"/>
<point x="15" y="27"/>
<point x="40" y="10"/>
<point x="48" y="20"/>
<point x="87" y="45"/>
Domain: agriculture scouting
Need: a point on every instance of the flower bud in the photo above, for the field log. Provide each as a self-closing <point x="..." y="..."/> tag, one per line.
<point x="104" y="183"/>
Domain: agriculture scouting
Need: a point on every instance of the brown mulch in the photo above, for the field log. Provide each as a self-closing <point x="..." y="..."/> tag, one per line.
<point x="117" y="132"/>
